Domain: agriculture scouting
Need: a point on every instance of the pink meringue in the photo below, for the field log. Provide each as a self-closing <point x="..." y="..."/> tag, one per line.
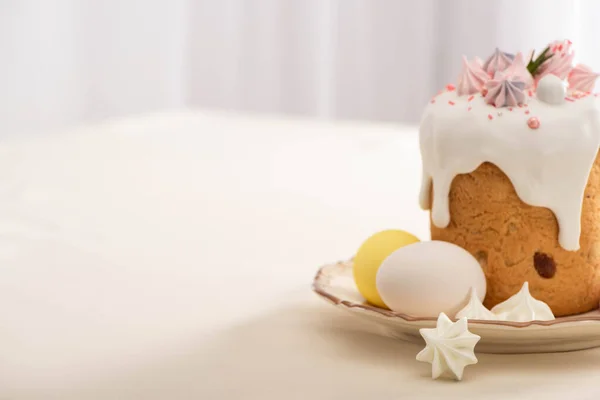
<point x="498" y="61"/>
<point x="517" y="71"/>
<point x="502" y="91"/>
<point x="561" y="62"/>
<point x="472" y="78"/>
<point x="560" y="47"/>
<point x="582" y="78"/>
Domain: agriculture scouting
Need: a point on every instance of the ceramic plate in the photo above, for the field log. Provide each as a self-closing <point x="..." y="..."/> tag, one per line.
<point x="335" y="284"/>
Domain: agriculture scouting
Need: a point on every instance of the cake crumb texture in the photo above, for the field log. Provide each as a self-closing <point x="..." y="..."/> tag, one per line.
<point x="515" y="242"/>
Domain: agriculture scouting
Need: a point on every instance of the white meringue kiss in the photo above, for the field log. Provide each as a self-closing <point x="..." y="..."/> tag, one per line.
<point x="522" y="307"/>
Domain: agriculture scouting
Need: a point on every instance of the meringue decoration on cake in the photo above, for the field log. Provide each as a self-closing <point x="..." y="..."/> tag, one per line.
<point x="582" y="78"/>
<point x="552" y="90"/>
<point x="522" y="307"/>
<point x="560" y="61"/>
<point x="426" y="278"/>
<point x="518" y="71"/>
<point x="505" y="91"/>
<point x="472" y="77"/>
<point x="475" y="309"/>
<point x="449" y="348"/>
<point x="498" y="61"/>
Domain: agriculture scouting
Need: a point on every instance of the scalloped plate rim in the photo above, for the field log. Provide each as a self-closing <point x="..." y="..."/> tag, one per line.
<point x="318" y="286"/>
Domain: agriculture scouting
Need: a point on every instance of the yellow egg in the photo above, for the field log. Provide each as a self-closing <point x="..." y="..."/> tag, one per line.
<point x="369" y="257"/>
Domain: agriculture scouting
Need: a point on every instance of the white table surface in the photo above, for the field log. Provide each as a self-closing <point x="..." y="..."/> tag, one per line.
<point x="170" y="257"/>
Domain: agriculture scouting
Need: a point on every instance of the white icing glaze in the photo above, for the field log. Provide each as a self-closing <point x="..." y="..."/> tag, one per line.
<point x="548" y="166"/>
<point x="449" y="347"/>
<point x="522" y="307"/>
<point x="475" y="310"/>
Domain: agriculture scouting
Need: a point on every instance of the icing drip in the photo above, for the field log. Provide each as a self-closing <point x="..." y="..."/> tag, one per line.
<point x="502" y="91"/>
<point x="472" y="77"/>
<point x="498" y="61"/>
<point x="582" y="78"/>
<point x="522" y="307"/>
<point x="518" y="71"/>
<point x="548" y="166"/>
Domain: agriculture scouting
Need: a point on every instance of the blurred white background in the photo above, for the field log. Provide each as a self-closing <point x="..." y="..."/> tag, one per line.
<point x="76" y="61"/>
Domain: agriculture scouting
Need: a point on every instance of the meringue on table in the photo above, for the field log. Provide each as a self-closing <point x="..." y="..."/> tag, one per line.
<point x="449" y="347"/>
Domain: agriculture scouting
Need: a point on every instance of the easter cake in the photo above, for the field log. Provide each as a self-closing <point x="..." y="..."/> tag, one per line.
<point x="511" y="173"/>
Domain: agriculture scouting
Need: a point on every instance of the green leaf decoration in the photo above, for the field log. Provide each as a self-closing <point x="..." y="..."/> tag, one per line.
<point x="534" y="65"/>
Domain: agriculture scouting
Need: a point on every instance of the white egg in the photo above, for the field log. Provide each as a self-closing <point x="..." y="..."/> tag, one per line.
<point x="426" y="278"/>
